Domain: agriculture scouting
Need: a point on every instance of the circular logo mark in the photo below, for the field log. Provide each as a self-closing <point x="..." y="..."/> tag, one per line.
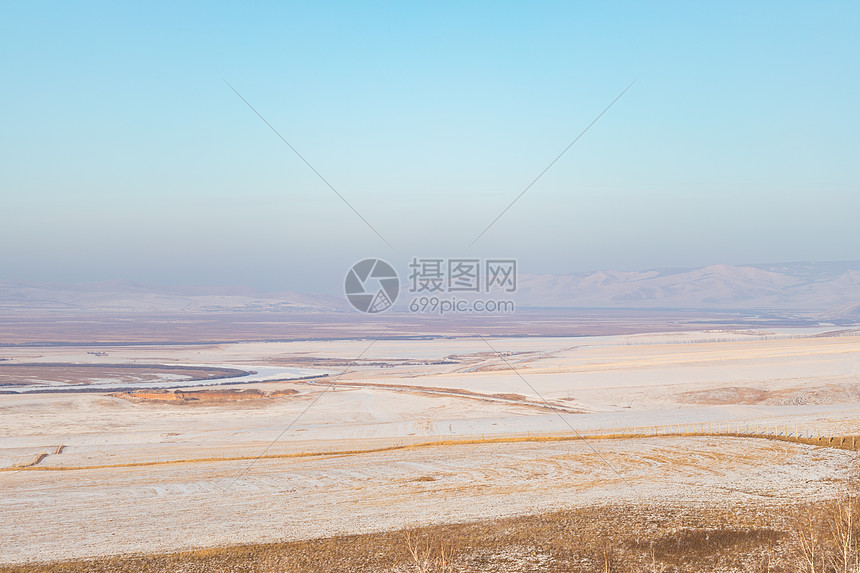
<point x="371" y="285"/>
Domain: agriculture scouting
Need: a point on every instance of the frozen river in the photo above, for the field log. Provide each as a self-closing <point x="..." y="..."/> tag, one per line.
<point x="249" y="374"/>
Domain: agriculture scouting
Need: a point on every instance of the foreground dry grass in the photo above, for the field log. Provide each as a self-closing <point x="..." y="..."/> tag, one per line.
<point x="824" y="538"/>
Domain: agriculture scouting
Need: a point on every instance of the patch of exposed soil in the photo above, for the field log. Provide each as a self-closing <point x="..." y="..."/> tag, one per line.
<point x="202" y="396"/>
<point x="725" y="395"/>
<point x="822" y="394"/>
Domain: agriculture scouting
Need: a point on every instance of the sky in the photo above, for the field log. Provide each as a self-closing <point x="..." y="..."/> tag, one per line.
<point x="125" y="154"/>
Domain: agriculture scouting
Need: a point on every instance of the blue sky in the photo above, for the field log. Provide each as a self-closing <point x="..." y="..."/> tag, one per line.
<point x="125" y="155"/>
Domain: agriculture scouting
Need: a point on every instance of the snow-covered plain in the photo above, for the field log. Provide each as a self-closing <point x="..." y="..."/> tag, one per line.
<point x="403" y="392"/>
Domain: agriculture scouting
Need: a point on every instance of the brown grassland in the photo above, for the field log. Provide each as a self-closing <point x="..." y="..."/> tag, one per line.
<point x="820" y="538"/>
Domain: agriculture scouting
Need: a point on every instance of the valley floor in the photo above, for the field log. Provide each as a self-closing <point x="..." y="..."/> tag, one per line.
<point x="95" y="475"/>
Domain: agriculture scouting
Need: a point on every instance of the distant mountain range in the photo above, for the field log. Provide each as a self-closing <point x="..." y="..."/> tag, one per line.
<point x="830" y="289"/>
<point x="126" y="296"/>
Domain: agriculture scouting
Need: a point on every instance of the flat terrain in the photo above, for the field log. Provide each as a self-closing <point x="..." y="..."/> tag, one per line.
<point x="72" y="327"/>
<point x="401" y="434"/>
<point x="20" y="376"/>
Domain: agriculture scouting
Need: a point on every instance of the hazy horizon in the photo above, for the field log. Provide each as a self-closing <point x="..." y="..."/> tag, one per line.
<point x="125" y="154"/>
<point x="336" y="287"/>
